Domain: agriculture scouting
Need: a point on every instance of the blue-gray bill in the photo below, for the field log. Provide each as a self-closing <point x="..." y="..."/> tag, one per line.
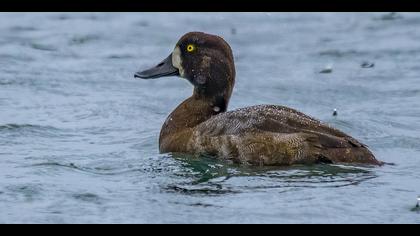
<point x="164" y="68"/>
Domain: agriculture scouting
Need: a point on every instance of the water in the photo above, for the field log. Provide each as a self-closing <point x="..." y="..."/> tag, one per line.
<point x="79" y="135"/>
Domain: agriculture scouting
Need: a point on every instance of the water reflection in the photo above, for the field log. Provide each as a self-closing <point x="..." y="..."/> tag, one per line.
<point x="212" y="176"/>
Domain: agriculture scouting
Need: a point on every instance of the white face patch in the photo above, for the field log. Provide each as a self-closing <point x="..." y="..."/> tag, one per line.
<point x="177" y="61"/>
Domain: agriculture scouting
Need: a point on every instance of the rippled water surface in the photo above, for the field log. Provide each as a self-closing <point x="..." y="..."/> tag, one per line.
<point x="79" y="135"/>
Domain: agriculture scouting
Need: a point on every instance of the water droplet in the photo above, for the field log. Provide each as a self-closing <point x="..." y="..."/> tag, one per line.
<point x="367" y="64"/>
<point x="328" y="69"/>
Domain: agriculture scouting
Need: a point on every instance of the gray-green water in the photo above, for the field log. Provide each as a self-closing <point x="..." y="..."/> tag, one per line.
<point x="79" y="135"/>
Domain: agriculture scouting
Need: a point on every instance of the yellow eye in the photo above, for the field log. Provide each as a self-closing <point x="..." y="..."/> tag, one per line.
<point x="190" y="48"/>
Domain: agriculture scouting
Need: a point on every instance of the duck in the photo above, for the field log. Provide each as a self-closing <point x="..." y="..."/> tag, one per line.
<point x="259" y="135"/>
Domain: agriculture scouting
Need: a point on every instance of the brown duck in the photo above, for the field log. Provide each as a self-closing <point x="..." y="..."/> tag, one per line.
<point x="256" y="135"/>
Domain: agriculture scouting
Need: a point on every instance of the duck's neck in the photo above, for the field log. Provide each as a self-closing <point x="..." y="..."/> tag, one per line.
<point x="191" y="112"/>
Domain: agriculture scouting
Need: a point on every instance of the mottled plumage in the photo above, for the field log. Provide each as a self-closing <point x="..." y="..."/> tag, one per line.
<point x="257" y="135"/>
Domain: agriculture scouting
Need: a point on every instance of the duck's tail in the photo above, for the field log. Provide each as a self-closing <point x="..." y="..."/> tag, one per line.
<point x="360" y="155"/>
<point x="346" y="149"/>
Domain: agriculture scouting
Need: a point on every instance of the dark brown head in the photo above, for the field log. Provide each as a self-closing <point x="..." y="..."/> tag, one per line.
<point x="203" y="59"/>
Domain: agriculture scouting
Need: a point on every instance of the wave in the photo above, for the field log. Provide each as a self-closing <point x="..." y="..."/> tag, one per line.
<point x="90" y="170"/>
<point x="24" y="126"/>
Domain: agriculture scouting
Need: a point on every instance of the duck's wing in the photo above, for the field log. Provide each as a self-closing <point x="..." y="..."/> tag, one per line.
<point x="271" y="118"/>
<point x="285" y="125"/>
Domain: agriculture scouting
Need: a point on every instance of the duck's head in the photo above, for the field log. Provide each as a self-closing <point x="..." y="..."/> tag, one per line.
<point x="203" y="59"/>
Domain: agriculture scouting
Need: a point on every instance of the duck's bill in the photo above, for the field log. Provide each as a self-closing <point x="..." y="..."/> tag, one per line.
<point x="165" y="68"/>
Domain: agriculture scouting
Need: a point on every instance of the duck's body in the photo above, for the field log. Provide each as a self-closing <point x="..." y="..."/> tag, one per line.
<point x="257" y="135"/>
<point x="263" y="135"/>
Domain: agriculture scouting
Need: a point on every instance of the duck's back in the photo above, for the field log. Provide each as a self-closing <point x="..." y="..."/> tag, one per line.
<point x="275" y="135"/>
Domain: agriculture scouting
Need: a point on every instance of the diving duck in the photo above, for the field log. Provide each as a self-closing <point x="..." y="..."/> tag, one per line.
<point x="256" y="135"/>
